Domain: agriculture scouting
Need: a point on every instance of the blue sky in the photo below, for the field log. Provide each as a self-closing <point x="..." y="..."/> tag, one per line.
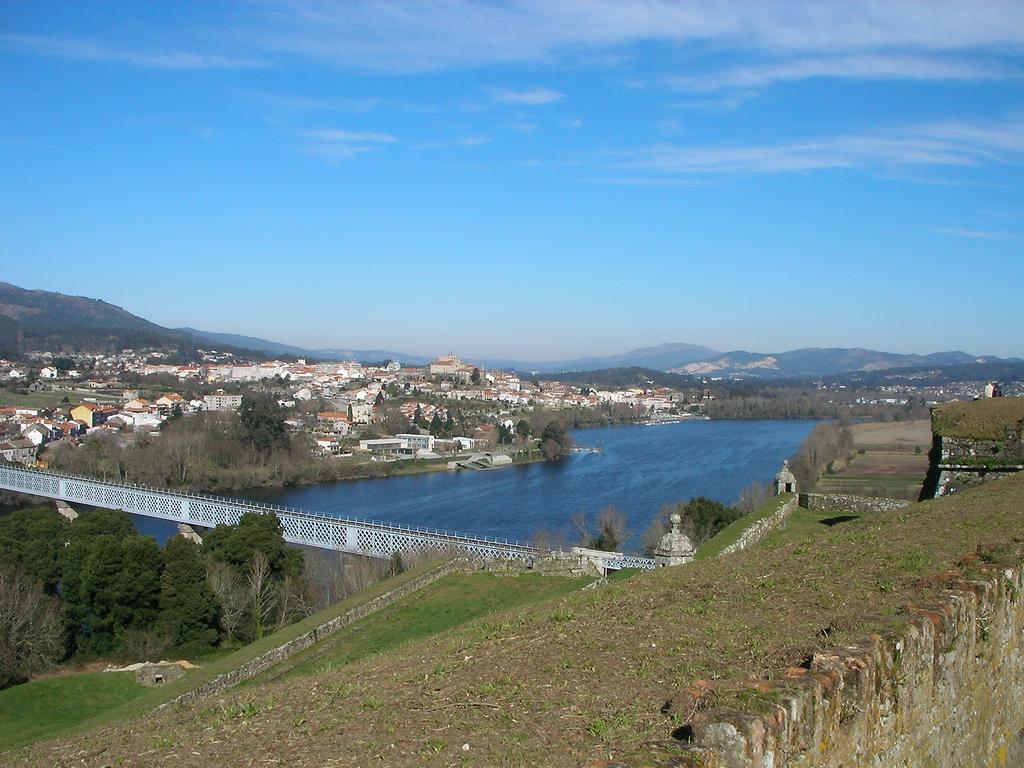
<point x="536" y="180"/>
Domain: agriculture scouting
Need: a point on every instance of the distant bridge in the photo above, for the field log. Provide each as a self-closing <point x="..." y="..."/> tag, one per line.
<point x="359" y="537"/>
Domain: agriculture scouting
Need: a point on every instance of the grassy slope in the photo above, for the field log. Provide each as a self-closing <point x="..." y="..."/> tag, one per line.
<point x="980" y="420"/>
<point x="54" y="705"/>
<point x="584" y="678"/>
<point x="450" y="602"/>
<point x="728" y="535"/>
<point x="52" y="399"/>
<point x="89" y="700"/>
<point x="91" y="705"/>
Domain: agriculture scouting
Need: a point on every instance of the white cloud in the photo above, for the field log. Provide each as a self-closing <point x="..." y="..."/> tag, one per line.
<point x="950" y="143"/>
<point x="856" y="67"/>
<point x="90" y="50"/>
<point x="334" y="135"/>
<point x="334" y="145"/>
<point x="973" y="234"/>
<point x="531" y="98"/>
<point x="445" y="34"/>
<point x="464" y="142"/>
<point x="417" y="35"/>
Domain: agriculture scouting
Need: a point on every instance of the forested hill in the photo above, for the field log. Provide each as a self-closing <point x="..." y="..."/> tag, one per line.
<point x="33" y="320"/>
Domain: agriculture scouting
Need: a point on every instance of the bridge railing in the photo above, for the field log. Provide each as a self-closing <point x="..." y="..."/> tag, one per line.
<point x="301" y="526"/>
<point x="256" y="506"/>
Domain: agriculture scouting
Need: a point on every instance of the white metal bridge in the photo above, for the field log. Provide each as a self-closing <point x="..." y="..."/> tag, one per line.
<point x="361" y="537"/>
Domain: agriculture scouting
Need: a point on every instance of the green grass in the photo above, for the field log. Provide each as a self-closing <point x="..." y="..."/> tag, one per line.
<point x="730" y="534"/>
<point x="992" y="419"/>
<point x="54" y="705"/>
<point x="105" y="709"/>
<point x="50" y="399"/>
<point x="450" y="602"/>
<point x="801" y="525"/>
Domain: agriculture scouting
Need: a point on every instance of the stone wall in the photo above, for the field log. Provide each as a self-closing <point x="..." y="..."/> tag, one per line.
<point x="846" y="504"/>
<point x="941" y="690"/>
<point x="760" y="529"/>
<point x="275" y="656"/>
<point x="978" y="451"/>
<point x="954" y="478"/>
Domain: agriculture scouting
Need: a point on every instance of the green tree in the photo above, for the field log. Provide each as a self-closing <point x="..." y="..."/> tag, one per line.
<point x="702" y="518"/>
<point x="254" y="532"/>
<point x="555" y="441"/>
<point x="34" y="539"/>
<point x="436" y="425"/>
<point x="504" y="435"/>
<point x="475" y="376"/>
<point x="110" y="585"/>
<point x="523" y="428"/>
<point x="261" y="422"/>
<point x="611" y="530"/>
<point x="188" y="608"/>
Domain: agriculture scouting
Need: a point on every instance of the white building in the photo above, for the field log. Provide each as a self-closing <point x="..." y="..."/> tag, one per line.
<point x="221" y="402"/>
<point x="387" y="446"/>
<point x="418" y="442"/>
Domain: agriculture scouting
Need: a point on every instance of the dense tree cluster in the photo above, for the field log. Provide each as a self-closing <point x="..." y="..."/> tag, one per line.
<point x="555" y="441"/>
<point x="117" y="593"/>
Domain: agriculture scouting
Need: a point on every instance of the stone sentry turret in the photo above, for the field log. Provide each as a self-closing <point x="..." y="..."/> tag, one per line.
<point x="785" y="481"/>
<point x="675" y="547"/>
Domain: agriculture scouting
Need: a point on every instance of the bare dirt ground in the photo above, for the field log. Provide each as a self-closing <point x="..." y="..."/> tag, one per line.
<point x="895" y="433"/>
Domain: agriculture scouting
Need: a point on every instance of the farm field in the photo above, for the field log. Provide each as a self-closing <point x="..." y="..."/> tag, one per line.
<point x="890" y="460"/>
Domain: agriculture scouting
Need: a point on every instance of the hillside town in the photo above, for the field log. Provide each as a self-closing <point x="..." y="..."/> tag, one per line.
<point x="383" y="411"/>
<point x="345" y="408"/>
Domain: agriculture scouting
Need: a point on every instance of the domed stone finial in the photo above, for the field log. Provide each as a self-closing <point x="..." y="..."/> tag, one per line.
<point x="675" y="547"/>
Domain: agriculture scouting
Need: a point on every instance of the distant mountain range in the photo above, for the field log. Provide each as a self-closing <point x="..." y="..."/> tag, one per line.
<point x="660" y="358"/>
<point x="821" y="362"/>
<point x="43" y="320"/>
<point x="276" y="348"/>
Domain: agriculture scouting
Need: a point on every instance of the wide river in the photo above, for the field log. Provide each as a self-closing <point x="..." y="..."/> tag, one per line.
<point x="639" y="469"/>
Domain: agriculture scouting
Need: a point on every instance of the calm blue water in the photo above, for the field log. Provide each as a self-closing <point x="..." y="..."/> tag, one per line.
<point x="641" y="468"/>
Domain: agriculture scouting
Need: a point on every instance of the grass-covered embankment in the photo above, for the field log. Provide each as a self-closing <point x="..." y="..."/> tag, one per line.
<point x="450" y="602"/>
<point x="93" y="699"/>
<point x="584" y="677"/>
<point x="988" y="419"/>
<point x="731" y="533"/>
<point x="54" y="705"/>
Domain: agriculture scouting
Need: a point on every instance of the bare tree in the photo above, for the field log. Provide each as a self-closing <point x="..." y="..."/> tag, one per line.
<point x="262" y="592"/>
<point x="147" y="644"/>
<point x="292" y="601"/>
<point x="229" y="593"/>
<point x="363" y="572"/>
<point x="582" y="527"/>
<point x="30" y="626"/>
<point x="548" y="541"/>
<point x="651" y="538"/>
<point x="753" y="496"/>
<point x="611" y="530"/>
<point x="324" y="571"/>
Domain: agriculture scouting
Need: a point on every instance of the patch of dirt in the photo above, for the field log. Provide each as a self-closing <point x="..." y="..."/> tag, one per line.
<point x="909" y="433"/>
